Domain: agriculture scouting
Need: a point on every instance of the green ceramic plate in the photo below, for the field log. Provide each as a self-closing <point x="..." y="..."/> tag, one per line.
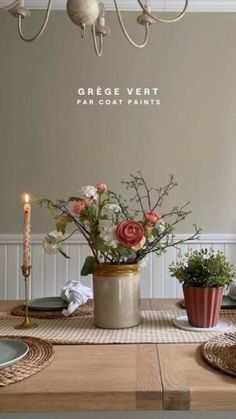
<point x="227" y="302"/>
<point x="11" y="352"/>
<point x="48" y="304"/>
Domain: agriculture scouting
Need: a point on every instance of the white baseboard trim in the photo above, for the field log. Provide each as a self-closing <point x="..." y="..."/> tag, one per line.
<point x="50" y="272"/>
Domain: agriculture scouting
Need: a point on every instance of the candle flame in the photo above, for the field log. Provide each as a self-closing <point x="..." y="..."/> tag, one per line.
<point x="26" y="198"/>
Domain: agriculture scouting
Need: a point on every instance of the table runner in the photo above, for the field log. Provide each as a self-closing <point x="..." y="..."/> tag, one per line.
<point x="156" y="327"/>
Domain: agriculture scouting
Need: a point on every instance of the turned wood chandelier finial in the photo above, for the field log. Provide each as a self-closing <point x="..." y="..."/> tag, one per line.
<point x="88" y="13"/>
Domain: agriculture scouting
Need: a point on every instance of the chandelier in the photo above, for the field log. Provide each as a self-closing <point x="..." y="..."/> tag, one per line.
<point x="88" y="13"/>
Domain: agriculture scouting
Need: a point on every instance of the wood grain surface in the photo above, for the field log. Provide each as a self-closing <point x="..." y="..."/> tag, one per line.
<point x="122" y="377"/>
<point x="190" y="384"/>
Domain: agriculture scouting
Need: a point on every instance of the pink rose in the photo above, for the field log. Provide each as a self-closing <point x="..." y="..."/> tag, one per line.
<point x="152" y="217"/>
<point x="79" y="207"/>
<point x="140" y="244"/>
<point x="101" y="187"/>
<point x="148" y="227"/>
<point x="129" y="233"/>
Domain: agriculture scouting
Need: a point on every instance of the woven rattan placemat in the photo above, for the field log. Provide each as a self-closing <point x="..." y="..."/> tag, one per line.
<point x="156" y="327"/>
<point x="40" y="354"/>
<point x="84" y="310"/>
<point x="220" y="353"/>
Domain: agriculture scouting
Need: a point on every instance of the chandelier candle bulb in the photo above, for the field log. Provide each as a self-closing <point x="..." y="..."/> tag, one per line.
<point x="102" y="14"/>
<point x="26" y="233"/>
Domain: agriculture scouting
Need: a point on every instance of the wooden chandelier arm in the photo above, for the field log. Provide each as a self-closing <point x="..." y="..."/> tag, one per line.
<point x="5" y="8"/>
<point x="159" y="19"/>
<point x="40" y="31"/>
<point x="98" y="50"/>
<point x="126" y="33"/>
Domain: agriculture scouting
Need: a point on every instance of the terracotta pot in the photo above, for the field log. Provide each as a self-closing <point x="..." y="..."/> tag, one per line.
<point x="203" y="305"/>
<point x="116" y="296"/>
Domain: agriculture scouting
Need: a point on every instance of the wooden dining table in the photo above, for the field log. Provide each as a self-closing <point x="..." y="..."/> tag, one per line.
<point x="122" y="377"/>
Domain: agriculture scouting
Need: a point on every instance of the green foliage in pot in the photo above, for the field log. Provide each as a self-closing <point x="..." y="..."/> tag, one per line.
<point x="204" y="268"/>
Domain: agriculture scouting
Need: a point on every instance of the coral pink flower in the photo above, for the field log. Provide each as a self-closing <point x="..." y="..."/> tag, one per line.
<point x="129" y="233"/>
<point x="152" y="217"/>
<point x="101" y="187"/>
<point x="79" y="207"/>
<point x="148" y="227"/>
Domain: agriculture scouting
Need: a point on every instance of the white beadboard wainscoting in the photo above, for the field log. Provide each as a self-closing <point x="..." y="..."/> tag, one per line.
<point x="50" y="272"/>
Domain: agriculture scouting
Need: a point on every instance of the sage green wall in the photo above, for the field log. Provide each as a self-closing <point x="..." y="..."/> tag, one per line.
<point x="51" y="147"/>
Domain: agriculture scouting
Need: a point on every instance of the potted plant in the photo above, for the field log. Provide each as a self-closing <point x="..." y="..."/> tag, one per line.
<point x="203" y="274"/>
<point x="119" y="237"/>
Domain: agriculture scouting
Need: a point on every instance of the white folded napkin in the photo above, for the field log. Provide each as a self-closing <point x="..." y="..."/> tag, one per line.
<point x="76" y="294"/>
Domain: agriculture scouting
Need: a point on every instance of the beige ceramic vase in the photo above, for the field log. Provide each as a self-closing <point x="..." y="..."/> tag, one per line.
<point x="116" y="296"/>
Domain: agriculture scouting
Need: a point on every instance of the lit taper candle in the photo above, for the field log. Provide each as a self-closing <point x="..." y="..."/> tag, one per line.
<point x="26" y="236"/>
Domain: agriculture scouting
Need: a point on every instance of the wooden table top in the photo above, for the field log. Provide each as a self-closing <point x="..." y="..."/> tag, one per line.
<point x="122" y="377"/>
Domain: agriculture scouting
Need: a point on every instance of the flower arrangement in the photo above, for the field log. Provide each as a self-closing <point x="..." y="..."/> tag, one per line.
<point x="116" y="233"/>
<point x="203" y="269"/>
